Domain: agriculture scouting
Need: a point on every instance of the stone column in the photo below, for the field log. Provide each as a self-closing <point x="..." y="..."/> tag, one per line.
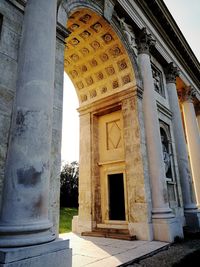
<point x="190" y="208"/>
<point x="198" y="115"/>
<point x="24" y="212"/>
<point x="164" y="224"/>
<point x="193" y="137"/>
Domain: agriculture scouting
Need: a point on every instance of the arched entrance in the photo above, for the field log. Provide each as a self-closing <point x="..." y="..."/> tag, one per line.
<point x="111" y="161"/>
<point x="114" y="160"/>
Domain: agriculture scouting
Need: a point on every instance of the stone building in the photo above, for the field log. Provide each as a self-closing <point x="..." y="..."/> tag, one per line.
<point x="138" y="84"/>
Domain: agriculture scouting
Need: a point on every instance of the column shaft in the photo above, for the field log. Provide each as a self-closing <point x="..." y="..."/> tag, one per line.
<point x="180" y="143"/>
<point x="198" y="121"/>
<point x="155" y="156"/>
<point x="24" y="213"/>
<point x="193" y="140"/>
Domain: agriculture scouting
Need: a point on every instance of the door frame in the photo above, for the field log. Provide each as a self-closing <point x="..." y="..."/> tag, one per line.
<point x="105" y="170"/>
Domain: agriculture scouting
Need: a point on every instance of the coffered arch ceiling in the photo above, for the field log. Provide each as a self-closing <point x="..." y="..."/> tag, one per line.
<point x="95" y="58"/>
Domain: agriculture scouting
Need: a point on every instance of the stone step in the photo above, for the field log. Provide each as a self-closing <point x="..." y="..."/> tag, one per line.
<point x="113" y="230"/>
<point x="122" y="234"/>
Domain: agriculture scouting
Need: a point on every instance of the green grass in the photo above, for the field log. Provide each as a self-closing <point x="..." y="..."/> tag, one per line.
<point x="66" y="216"/>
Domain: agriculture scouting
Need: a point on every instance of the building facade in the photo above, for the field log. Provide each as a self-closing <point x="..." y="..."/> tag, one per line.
<point x="138" y="85"/>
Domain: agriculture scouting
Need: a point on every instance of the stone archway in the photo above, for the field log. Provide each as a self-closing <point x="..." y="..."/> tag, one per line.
<point x="101" y="70"/>
<point x="119" y="124"/>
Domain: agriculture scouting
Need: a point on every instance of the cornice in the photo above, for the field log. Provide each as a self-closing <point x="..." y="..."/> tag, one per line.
<point x="160" y="17"/>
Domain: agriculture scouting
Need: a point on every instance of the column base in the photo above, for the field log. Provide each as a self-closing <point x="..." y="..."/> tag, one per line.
<point x="192" y="220"/>
<point x="167" y="229"/>
<point x="56" y="253"/>
<point x="25" y="235"/>
<point x="160" y="213"/>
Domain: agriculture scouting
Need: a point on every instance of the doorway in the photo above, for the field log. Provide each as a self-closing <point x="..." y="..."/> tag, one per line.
<point x="116" y="197"/>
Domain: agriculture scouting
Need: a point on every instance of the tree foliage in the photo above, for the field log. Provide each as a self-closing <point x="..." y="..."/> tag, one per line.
<point x="69" y="185"/>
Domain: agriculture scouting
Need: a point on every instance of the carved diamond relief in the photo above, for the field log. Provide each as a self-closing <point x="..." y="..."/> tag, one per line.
<point x="113" y="135"/>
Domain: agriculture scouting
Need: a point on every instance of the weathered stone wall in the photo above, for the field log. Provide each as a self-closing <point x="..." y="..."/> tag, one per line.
<point x="9" y="48"/>
<point x="139" y="196"/>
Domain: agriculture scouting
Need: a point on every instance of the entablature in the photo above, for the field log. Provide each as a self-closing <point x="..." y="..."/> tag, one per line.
<point x="171" y="45"/>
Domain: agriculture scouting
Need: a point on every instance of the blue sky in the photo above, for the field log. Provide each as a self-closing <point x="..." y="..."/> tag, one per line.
<point x="186" y="14"/>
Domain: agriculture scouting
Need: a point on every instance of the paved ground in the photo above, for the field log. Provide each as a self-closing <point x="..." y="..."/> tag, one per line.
<point x="106" y="252"/>
<point x="182" y="254"/>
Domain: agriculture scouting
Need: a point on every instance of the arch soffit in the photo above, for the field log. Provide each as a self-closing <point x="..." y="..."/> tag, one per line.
<point x="113" y="69"/>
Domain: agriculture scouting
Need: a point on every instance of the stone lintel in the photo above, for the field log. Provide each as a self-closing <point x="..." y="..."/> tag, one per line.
<point x="56" y="253"/>
<point x="111" y="100"/>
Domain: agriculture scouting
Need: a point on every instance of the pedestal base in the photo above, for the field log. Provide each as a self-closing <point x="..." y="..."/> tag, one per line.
<point x="167" y="229"/>
<point x="53" y="254"/>
<point x="143" y="231"/>
<point x="81" y="225"/>
<point x="192" y="220"/>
